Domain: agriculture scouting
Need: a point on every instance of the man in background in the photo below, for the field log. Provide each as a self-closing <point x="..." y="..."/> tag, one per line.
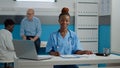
<point x="31" y="28"/>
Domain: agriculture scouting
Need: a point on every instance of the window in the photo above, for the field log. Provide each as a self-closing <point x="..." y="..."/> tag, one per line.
<point x="39" y="0"/>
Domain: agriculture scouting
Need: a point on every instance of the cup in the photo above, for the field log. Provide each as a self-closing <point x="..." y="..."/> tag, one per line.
<point x="106" y="51"/>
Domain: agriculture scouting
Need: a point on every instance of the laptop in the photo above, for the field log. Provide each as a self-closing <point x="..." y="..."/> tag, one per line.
<point x="25" y="49"/>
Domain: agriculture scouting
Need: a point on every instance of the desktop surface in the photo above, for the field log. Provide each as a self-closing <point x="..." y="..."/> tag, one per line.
<point x="83" y="59"/>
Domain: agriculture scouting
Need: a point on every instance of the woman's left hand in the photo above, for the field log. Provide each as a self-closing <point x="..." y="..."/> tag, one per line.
<point x="88" y="52"/>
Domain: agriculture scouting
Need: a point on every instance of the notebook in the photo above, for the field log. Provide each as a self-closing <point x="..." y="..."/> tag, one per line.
<point x="25" y="49"/>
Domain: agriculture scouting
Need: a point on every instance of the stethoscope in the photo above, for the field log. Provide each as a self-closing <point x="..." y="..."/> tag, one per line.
<point x="69" y="39"/>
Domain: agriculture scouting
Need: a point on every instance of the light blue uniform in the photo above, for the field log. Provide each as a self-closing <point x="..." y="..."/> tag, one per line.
<point x="30" y="28"/>
<point x="65" y="46"/>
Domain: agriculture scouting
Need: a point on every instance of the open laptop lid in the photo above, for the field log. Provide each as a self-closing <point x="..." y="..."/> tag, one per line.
<point x="25" y="49"/>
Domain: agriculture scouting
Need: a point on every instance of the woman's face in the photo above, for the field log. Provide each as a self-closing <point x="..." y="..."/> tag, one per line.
<point x="64" y="21"/>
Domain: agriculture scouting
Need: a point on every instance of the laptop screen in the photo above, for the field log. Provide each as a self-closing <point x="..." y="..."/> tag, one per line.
<point x="25" y="49"/>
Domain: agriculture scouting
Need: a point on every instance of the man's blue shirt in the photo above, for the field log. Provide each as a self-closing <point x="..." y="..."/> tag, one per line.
<point x="30" y="27"/>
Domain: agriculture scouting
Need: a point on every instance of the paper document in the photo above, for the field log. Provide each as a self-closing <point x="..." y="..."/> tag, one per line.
<point x="70" y="56"/>
<point x="47" y="56"/>
<point x="44" y="56"/>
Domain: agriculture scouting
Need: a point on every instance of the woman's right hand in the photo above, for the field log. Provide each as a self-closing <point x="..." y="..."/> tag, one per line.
<point x="55" y="53"/>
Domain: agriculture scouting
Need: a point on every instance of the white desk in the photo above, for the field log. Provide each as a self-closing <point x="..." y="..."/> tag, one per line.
<point x="91" y="59"/>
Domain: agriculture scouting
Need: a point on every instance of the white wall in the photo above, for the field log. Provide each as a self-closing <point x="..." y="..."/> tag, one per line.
<point x="10" y="7"/>
<point x="115" y="26"/>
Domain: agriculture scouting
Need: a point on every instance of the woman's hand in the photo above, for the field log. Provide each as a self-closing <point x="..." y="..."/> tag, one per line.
<point x="88" y="52"/>
<point x="84" y="52"/>
<point x="55" y="53"/>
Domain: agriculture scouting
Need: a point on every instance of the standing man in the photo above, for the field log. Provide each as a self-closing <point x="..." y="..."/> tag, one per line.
<point x="6" y="45"/>
<point x="31" y="29"/>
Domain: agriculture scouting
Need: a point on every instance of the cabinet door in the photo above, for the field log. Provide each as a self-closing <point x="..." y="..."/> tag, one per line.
<point x="86" y="23"/>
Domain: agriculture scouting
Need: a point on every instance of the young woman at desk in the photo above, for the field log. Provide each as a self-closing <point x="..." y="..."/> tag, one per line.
<point x="64" y="41"/>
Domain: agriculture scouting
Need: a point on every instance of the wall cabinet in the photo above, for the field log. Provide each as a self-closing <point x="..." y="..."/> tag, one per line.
<point x="86" y="23"/>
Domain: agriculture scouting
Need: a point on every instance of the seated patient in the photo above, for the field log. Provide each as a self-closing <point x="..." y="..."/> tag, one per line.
<point x="64" y="41"/>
